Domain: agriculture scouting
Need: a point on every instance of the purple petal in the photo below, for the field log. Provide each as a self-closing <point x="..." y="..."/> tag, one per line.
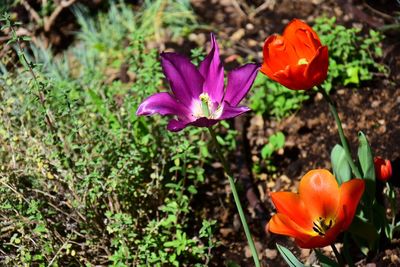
<point x="204" y="122"/>
<point x="213" y="73"/>
<point x="185" y="80"/>
<point x="176" y="125"/>
<point x="239" y="82"/>
<point x="231" y="112"/>
<point x="163" y="104"/>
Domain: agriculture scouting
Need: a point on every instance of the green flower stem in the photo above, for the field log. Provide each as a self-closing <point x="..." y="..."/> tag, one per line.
<point x="392" y="200"/>
<point x="343" y="139"/>
<point x="236" y="197"/>
<point x="338" y="255"/>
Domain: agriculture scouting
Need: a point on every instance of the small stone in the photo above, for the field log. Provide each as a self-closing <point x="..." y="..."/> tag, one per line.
<point x="252" y="43"/>
<point x="375" y="104"/>
<point x="225" y="231"/>
<point x="237" y="35"/>
<point x="249" y="26"/>
<point x="247" y="250"/>
<point x="271" y="253"/>
<point x="236" y="223"/>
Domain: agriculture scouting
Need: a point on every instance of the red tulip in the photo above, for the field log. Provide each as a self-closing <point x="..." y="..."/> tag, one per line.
<point x="383" y="169"/>
<point x="296" y="59"/>
<point x="319" y="212"/>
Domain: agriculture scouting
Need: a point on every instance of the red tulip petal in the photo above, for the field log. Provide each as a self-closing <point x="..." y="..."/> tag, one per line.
<point x="320" y="192"/>
<point x="350" y="194"/>
<point x="278" y="54"/>
<point x="293" y="77"/>
<point x="283" y="225"/>
<point x="317" y="70"/>
<point x="290" y="204"/>
<point x="303" y="38"/>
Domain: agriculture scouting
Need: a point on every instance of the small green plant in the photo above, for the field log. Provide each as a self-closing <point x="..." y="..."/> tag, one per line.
<point x="274" y="100"/>
<point x="275" y="142"/>
<point x="352" y="56"/>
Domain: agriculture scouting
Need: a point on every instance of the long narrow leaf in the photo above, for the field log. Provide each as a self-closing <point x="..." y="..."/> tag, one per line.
<point x="325" y="261"/>
<point x="366" y="160"/>
<point x="288" y="256"/>
<point x="340" y="165"/>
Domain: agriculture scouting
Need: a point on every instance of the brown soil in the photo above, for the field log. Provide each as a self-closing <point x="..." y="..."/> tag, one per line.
<point x="310" y="133"/>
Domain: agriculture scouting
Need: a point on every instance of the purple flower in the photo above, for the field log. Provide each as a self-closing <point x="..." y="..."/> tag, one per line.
<point x="198" y="97"/>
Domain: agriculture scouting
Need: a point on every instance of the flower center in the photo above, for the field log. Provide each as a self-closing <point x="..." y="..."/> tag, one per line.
<point x="302" y="61"/>
<point x="322" y="225"/>
<point x="205" y="107"/>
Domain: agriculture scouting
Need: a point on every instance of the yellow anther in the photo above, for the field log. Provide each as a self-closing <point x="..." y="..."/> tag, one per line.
<point x="302" y="61"/>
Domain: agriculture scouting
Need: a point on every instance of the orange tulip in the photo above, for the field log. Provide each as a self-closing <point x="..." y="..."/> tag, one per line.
<point x="383" y="169"/>
<point x="296" y="59"/>
<point x="319" y="212"/>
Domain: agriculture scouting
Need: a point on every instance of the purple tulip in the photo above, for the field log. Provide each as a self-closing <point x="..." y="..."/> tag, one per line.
<point x="198" y="97"/>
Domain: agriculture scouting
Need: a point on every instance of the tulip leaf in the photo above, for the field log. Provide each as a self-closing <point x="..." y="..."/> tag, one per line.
<point x="288" y="256"/>
<point x="325" y="261"/>
<point x="361" y="229"/>
<point x="366" y="160"/>
<point x="340" y="165"/>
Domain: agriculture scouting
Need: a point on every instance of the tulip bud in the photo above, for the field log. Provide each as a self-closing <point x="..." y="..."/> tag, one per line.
<point x="383" y="169"/>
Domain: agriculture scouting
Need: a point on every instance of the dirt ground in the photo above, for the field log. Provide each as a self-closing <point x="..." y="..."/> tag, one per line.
<point x="310" y="133"/>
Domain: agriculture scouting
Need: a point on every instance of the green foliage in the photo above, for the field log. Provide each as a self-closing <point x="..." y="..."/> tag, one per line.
<point x="275" y="142"/>
<point x="352" y="56"/>
<point x="340" y="165"/>
<point x="325" y="261"/>
<point x="272" y="99"/>
<point x="288" y="256"/>
<point x="366" y="160"/>
<point x="84" y="181"/>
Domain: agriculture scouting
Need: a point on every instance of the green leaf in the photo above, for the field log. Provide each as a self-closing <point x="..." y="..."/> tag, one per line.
<point x="267" y="151"/>
<point x="366" y="160"/>
<point x="288" y="256"/>
<point x="220" y="140"/>
<point x="364" y="230"/>
<point x="340" y="165"/>
<point x="277" y="140"/>
<point x="325" y="261"/>
<point x="352" y="74"/>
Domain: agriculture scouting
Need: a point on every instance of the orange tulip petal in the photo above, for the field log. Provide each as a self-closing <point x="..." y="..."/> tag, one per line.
<point x="317" y="70"/>
<point x="320" y="192"/>
<point x="290" y="204"/>
<point x="350" y="194"/>
<point x="303" y="38"/>
<point x="320" y="241"/>
<point x="283" y="225"/>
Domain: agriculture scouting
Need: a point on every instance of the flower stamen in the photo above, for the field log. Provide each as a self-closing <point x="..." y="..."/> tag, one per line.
<point x="205" y="99"/>
<point x="206" y="108"/>
<point x="302" y="61"/>
<point x="322" y="225"/>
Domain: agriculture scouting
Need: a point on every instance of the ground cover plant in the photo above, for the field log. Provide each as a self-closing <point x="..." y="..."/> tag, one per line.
<point x="256" y="135"/>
